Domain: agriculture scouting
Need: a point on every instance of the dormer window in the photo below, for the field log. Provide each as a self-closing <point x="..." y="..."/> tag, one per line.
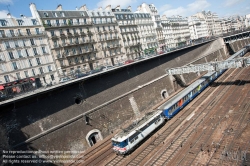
<point x="98" y="13"/>
<point x="20" y="22"/>
<point x="46" y="14"/>
<point x="55" y="14"/>
<point x="62" y="14"/>
<point x="3" y="22"/>
<point x="93" y="14"/>
<point x="82" y="13"/>
<point x="34" y="22"/>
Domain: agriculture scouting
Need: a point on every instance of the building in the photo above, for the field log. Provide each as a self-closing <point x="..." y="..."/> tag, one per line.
<point x="247" y="20"/>
<point x="129" y="32"/>
<point x="81" y="40"/>
<point x="176" y="31"/>
<point x="213" y="22"/>
<point x="152" y="10"/>
<point x="106" y="32"/>
<point x="197" y="27"/>
<point x="147" y="32"/>
<point x="24" y="51"/>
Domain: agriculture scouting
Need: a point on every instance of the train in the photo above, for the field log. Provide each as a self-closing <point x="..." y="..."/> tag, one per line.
<point x="129" y="138"/>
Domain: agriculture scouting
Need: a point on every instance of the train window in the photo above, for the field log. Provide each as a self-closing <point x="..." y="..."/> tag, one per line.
<point x="136" y="137"/>
<point x="131" y="141"/>
<point x="158" y="120"/>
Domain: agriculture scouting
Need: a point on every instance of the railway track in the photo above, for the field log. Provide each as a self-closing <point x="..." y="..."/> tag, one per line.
<point x="165" y="132"/>
<point x="183" y="128"/>
<point x="191" y="156"/>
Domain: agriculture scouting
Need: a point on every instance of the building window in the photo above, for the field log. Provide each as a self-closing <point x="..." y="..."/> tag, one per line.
<point x="33" y="71"/>
<point x="34" y="22"/>
<point x="35" y="51"/>
<point x="14" y="65"/>
<point x="52" y="77"/>
<point x="11" y="55"/>
<point x="26" y="74"/>
<point x="44" y="50"/>
<point x="38" y="61"/>
<point x="37" y="31"/>
<point x="49" y="68"/>
<point x="20" y="22"/>
<point x="55" y="14"/>
<point x="12" y="33"/>
<point x="52" y="33"/>
<point x="82" y="13"/>
<point x="18" y="76"/>
<point x="32" y="42"/>
<point x="62" y="14"/>
<point x="82" y="58"/>
<point x="41" y="70"/>
<point x="3" y="22"/>
<point x="7" y="79"/>
<point x="28" y="31"/>
<point x="19" y="52"/>
<point x="30" y="62"/>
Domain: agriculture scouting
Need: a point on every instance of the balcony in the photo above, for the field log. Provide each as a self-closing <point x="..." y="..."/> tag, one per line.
<point x="56" y="25"/>
<point x="60" y="56"/>
<point x="104" y="22"/>
<point x="23" y="34"/>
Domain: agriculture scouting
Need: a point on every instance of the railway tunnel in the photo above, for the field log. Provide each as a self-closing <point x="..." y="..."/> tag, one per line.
<point x="78" y="114"/>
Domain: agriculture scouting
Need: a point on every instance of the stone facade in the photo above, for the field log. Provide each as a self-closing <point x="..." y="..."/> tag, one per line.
<point x="25" y="52"/>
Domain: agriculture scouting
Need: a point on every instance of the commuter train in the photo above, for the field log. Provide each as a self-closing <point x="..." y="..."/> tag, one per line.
<point x="127" y="140"/>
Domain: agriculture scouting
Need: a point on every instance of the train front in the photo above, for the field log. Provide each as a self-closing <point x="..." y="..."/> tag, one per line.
<point x="119" y="146"/>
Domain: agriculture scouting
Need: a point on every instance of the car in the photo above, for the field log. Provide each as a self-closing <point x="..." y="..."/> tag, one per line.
<point x="128" y="61"/>
<point x="105" y="68"/>
<point x="79" y="75"/>
<point x="161" y="52"/>
<point x="94" y="71"/>
<point x="65" y="79"/>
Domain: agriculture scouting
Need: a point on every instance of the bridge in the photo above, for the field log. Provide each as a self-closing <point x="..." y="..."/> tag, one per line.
<point x="212" y="66"/>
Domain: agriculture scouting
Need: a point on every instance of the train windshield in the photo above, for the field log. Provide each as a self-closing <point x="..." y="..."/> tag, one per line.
<point x="119" y="144"/>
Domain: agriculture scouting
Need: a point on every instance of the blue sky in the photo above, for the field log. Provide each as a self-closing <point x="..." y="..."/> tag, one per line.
<point x="167" y="7"/>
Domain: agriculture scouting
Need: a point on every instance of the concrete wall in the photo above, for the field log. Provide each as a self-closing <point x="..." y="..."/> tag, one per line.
<point x="53" y="121"/>
<point x="239" y="44"/>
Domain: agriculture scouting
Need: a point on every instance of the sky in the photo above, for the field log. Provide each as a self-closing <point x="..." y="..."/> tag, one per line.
<point x="223" y="8"/>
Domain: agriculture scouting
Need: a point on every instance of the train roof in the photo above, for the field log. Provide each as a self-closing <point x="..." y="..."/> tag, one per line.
<point x="131" y="129"/>
<point x="184" y="92"/>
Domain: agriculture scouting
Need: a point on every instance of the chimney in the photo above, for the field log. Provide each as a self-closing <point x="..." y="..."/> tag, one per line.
<point x="139" y="8"/>
<point x="108" y="7"/>
<point x="129" y="7"/>
<point x="83" y="7"/>
<point x="59" y="7"/>
<point x="118" y="7"/>
<point x="100" y="8"/>
<point x="8" y="15"/>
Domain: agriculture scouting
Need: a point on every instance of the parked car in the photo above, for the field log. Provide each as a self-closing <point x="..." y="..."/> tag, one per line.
<point x="65" y="79"/>
<point x="161" y="52"/>
<point x="105" y="68"/>
<point x="128" y="61"/>
<point x="94" y="71"/>
<point x="79" y="75"/>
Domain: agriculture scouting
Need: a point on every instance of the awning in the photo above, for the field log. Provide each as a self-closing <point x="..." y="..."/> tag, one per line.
<point x="32" y="79"/>
<point x="1" y="87"/>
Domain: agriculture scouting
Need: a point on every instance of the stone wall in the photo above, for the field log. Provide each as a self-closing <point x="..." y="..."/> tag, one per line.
<point x="52" y="120"/>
